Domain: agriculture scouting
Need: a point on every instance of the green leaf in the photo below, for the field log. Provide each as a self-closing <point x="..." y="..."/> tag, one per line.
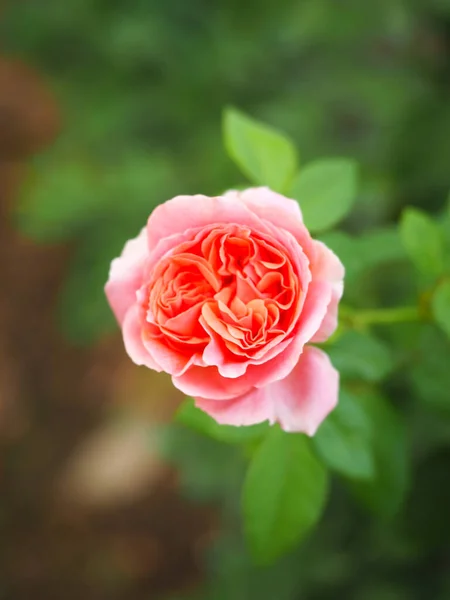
<point x="440" y="305"/>
<point x="284" y="494"/>
<point x="326" y="190"/>
<point x="263" y="154"/>
<point x="191" y="416"/>
<point x="342" y="440"/>
<point x="361" y="356"/>
<point x="385" y="493"/>
<point x="422" y="239"/>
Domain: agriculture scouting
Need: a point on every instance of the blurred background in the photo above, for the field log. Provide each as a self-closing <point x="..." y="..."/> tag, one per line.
<point x="108" y="108"/>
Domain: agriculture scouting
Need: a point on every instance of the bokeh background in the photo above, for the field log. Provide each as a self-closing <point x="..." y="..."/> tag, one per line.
<point x="108" y="108"/>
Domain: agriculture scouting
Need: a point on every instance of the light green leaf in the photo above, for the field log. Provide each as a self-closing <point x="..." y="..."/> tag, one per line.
<point x="422" y="239"/>
<point x="384" y="494"/>
<point x="284" y="494"/>
<point x="440" y="305"/>
<point x="326" y="190"/>
<point x="263" y="154"/>
<point x="361" y="356"/>
<point x="191" y="416"/>
<point x="342" y="440"/>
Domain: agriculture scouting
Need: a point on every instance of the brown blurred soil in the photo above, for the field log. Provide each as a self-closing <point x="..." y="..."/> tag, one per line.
<point x="87" y="507"/>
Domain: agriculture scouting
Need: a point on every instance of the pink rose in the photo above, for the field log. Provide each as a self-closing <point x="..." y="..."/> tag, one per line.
<point x="225" y="294"/>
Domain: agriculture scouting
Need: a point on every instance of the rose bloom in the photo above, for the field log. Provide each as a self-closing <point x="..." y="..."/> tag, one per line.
<point x="226" y="294"/>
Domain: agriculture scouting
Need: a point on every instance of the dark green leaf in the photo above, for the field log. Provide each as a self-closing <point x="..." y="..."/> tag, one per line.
<point x="385" y="493"/>
<point x="284" y="494"/>
<point x="263" y="154"/>
<point x="326" y="190"/>
<point x="193" y="417"/>
<point x="342" y="440"/>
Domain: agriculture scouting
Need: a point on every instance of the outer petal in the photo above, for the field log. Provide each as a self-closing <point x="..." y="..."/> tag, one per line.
<point x="300" y="402"/>
<point x="279" y="211"/>
<point x="309" y="394"/>
<point x="330" y="321"/>
<point x="254" y="407"/>
<point x="270" y="205"/>
<point x="190" y="212"/>
<point x="125" y="275"/>
<point x="168" y="359"/>
<point x="326" y="266"/>
<point x="207" y="381"/>
<point x="132" y="337"/>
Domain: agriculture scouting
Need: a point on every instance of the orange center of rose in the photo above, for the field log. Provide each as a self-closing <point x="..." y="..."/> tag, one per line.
<point x="228" y="283"/>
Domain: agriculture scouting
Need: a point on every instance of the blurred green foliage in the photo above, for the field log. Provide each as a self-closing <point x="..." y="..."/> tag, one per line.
<point x="142" y="86"/>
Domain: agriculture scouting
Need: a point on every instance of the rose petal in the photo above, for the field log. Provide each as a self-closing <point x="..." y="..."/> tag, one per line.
<point x="330" y="321"/>
<point x="326" y="266"/>
<point x="169" y="359"/>
<point x="279" y="211"/>
<point x="269" y="205"/>
<point x="254" y="407"/>
<point x="189" y="212"/>
<point x="125" y="275"/>
<point x="207" y="381"/>
<point x="231" y="378"/>
<point x="314" y="310"/>
<point x="308" y="394"/>
<point x="132" y="337"/>
<point x="300" y="402"/>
